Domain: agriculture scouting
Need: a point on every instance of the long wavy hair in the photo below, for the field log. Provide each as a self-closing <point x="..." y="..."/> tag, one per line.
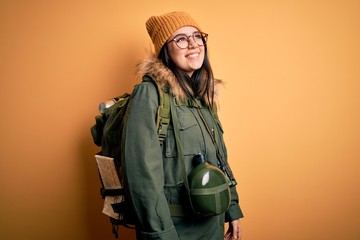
<point x="200" y="84"/>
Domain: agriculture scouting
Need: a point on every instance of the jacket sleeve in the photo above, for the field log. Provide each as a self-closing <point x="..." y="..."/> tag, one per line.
<point x="234" y="211"/>
<point x="144" y="166"/>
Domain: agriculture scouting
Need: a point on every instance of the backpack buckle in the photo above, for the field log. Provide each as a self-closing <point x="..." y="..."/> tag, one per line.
<point x="162" y="130"/>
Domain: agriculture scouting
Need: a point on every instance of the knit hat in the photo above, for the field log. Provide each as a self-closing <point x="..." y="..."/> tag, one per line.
<point x="160" y="28"/>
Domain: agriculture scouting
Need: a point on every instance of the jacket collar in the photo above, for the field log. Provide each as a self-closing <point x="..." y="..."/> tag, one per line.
<point x="154" y="67"/>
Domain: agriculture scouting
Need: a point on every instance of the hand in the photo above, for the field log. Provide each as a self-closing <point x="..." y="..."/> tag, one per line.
<point x="234" y="230"/>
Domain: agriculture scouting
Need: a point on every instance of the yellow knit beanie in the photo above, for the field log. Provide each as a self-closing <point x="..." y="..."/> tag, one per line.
<point x="160" y="28"/>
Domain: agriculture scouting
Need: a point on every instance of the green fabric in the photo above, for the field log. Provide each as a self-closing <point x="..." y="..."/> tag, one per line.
<point x="107" y="133"/>
<point x="153" y="173"/>
<point x="163" y="111"/>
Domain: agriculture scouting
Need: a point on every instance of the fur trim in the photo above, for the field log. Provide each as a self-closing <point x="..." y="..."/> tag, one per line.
<point x="154" y="67"/>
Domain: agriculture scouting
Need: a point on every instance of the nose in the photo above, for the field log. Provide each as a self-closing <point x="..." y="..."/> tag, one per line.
<point x="192" y="43"/>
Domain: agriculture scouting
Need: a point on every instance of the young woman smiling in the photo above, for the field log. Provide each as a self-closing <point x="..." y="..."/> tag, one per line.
<point x="154" y="176"/>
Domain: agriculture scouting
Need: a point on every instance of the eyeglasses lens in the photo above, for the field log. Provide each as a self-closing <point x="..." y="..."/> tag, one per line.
<point x="182" y="41"/>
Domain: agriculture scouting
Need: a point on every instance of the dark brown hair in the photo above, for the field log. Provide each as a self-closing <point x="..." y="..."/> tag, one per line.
<point x="200" y="84"/>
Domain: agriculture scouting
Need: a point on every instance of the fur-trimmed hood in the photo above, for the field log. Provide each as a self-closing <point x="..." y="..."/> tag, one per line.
<point x="154" y="67"/>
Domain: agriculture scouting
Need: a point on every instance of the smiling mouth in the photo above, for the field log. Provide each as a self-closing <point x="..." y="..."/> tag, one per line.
<point x="193" y="55"/>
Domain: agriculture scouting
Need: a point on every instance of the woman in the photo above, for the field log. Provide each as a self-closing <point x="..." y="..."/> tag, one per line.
<point x="153" y="171"/>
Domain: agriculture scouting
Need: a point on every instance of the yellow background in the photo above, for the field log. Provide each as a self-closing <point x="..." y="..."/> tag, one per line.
<point x="290" y="110"/>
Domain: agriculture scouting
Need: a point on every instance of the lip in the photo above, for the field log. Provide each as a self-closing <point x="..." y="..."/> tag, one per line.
<point x="192" y="55"/>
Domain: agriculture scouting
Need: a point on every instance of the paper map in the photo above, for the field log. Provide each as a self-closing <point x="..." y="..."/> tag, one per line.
<point x="110" y="180"/>
<point x="108" y="172"/>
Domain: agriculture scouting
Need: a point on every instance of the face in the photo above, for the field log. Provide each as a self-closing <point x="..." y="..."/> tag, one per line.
<point x="188" y="59"/>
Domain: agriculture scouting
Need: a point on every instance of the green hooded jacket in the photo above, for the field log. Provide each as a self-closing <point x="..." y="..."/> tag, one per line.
<point x="153" y="173"/>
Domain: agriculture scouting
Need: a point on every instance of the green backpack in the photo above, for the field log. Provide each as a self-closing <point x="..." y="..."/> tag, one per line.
<point x="107" y="133"/>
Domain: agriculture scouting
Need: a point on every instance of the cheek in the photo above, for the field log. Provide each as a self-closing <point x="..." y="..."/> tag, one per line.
<point x="173" y="54"/>
<point x="203" y="56"/>
<point x="176" y="58"/>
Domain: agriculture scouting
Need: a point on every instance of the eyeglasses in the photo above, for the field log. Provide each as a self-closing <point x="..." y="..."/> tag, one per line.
<point x="183" y="41"/>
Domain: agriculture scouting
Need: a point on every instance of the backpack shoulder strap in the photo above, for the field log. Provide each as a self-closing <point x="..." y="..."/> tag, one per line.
<point x="163" y="112"/>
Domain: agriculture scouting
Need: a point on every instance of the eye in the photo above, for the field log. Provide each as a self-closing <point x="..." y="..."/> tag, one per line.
<point x="181" y="38"/>
<point x="198" y="35"/>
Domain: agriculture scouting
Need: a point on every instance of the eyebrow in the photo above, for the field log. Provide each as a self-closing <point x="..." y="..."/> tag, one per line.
<point x="184" y="34"/>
